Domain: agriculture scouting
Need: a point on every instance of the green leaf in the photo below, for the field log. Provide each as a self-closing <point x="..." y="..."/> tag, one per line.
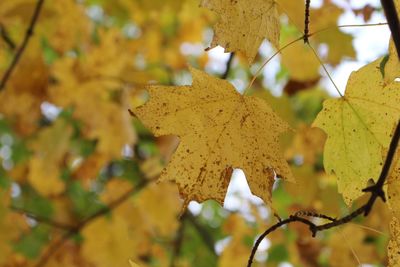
<point x="31" y="244"/>
<point x="278" y="253"/>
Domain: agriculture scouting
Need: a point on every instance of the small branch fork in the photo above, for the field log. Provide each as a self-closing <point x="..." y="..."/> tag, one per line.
<point x="24" y="44"/>
<point x="375" y="190"/>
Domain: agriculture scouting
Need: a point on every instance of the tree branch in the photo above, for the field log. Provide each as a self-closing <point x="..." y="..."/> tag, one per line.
<point x="21" y="49"/>
<point x="41" y="219"/>
<point x="393" y="21"/>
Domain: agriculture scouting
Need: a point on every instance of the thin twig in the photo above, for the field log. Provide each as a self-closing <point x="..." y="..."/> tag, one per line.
<point x="177" y="244"/>
<point x="41" y="219"/>
<point x="306" y="21"/>
<point x="228" y="66"/>
<point x="205" y="235"/>
<point x="21" y="49"/>
<point x="6" y="37"/>
<point x="114" y="204"/>
<point x="393" y="20"/>
<point x="54" y="248"/>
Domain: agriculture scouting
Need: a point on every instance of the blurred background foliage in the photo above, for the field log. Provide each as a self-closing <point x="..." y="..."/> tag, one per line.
<point x="77" y="172"/>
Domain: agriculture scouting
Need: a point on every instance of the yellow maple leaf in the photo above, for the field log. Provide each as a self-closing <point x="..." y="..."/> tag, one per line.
<point x="345" y="242"/>
<point x="219" y="129"/>
<point x="394" y="243"/>
<point x="104" y="118"/>
<point x="393" y="192"/>
<point x="339" y="43"/>
<point x="359" y="126"/>
<point x="298" y="55"/>
<point x="244" y="24"/>
<point x="133" y="264"/>
<point x="308" y="143"/>
<point x="294" y="10"/>
<point x="160" y="206"/>
<point x="393" y="189"/>
<point x="236" y="252"/>
<point x="23" y="97"/>
<point x="50" y="149"/>
<point x="119" y="241"/>
<point x="11" y="226"/>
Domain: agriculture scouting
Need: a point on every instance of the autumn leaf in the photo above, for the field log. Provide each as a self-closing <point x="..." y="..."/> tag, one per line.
<point x="11" y="226"/>
<point x="359" y="126"/>
<point x="133" y="264"/>
<point x="50" y="149"/>
<point x="298" y="55"/>
<point x="26" y="95"/>
<point x="103" y="118"/>
<point x="219" y="129"/>
<point x="119" y="241"/>
<point x="339" y="44"/>
<point x="307" y="143"/>
<point x="235" y="253"/>
<point x="244" y="24"/>
<point x="348" y="247"/>
<point x="394" y="243"/>
<point x="393" y="193"/>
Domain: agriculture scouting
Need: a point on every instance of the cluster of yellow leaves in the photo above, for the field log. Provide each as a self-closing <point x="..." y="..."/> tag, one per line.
<point x="236" y="252"/>
<point x="128" y="233"/>
<point x="94" y="72"/>
<point x="49" y="151"/>
<point x="11" y="226"/>
<point x="348" y="247"/>
<point x="26" y="95"/>
<point x="93" y="102"/>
